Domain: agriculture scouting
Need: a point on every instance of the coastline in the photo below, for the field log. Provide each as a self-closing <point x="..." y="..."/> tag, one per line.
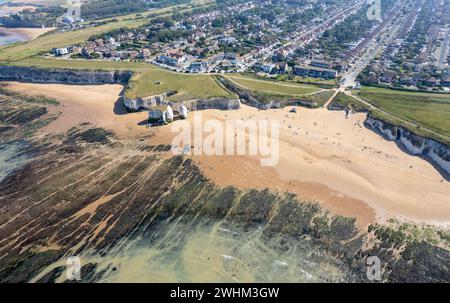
<point x="345" y="167"/>
<point x="13" y="35"/>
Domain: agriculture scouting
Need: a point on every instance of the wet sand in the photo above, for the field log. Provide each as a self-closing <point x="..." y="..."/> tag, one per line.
<point x="93" y="104"/>
<point x="324" y="157"/>
<point x="25" y="34"/>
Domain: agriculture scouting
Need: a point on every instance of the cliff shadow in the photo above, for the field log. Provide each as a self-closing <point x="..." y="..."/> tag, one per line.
<point x="440" y="170"/>
<point x="119" y="107"/>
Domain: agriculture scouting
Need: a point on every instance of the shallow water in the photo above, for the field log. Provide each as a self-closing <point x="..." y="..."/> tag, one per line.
<point x="11" y="158"/>
<point x="179" y="252"/>
<point x="10" y="39"/>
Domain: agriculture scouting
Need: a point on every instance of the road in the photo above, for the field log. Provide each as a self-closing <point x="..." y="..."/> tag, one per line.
<point x="444" y="49"/>
<point x="303" y="37"/>
<point x="374" y="47"/>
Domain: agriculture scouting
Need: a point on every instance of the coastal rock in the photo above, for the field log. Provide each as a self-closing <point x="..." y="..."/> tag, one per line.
<point x="65" y="76"/>
<point x="137" y="104"/>
<point x="432" y="150"/>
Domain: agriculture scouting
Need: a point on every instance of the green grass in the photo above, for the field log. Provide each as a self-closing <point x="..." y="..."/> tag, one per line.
<point x="331" y="82"/>
<point x="320" y="98"/>
<point x="272" y="87"/>
<point x="188" y="87"/>
<point x="342" y="101"/>
<point x="42" y="62"/>
<point x="428" y="110"/>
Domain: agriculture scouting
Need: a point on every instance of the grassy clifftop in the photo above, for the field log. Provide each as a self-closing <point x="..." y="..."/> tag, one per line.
<point x="188" y="87"/>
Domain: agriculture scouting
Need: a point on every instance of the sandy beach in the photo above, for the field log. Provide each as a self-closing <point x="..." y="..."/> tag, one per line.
<point x="25" y="34"/>
<point x="324" y="157"/>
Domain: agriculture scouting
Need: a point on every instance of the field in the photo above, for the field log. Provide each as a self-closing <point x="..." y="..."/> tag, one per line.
<point x="320" y="98"/>
<point x="42" y="62"/>
<point x="188" y="87"/>
<point x="428" y="110"/>
<point x="342" y="101"/>
<point x="273" y="87"/>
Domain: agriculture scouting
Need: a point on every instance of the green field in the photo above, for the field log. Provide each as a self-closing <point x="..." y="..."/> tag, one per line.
<point x="343" y="101"/>
<point x="42" y="62"/>
<point x="272" y="87"/>
<point x="320" y="98"/>
<point x="157" y="81"/>
<point x="428" y="110"/>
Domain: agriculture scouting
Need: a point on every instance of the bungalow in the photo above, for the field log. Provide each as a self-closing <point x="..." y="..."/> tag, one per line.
<point x="60" y="51"/>
<point x="197" y="67"/>
<point x="145" y="53"/>
<point x="178" y="57"/>
<point x="167" y="60"/>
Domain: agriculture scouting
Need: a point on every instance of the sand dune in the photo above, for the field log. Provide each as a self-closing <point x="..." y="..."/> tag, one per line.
<point x="324" y="157"/>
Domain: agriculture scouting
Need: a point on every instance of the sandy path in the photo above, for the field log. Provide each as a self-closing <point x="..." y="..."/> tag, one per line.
<point x="323" y="156"/>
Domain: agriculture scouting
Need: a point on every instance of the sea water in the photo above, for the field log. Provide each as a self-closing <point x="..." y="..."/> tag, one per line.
<point x="8" y="38"/>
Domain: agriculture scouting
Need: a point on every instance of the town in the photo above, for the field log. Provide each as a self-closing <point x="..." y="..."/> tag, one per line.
<point x="303" y="39"/>
<point x="306" y="39"/>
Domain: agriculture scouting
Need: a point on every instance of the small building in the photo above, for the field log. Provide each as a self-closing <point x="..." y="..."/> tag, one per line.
<point x="265" y="68"/>
<point x="197" y="67"/>
<point x="60" y="51"/>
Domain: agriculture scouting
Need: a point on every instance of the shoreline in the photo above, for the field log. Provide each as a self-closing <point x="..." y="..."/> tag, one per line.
<point x="325" y="158"/>
<point x="24" y="34"/>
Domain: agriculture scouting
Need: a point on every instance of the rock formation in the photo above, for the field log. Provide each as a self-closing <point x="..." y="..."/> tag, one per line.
<point x="432" y="150"/>
<point x="64" y="76"/>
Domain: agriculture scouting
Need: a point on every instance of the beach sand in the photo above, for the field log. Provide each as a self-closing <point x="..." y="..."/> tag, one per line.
<point x="324" y="157"/>
<point x="25" y="34"/>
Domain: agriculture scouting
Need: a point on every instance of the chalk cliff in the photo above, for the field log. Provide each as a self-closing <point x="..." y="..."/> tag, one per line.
<point x="137" y="104"/>
<point x="66" y="76"/>
<point x="432" y="150"/>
